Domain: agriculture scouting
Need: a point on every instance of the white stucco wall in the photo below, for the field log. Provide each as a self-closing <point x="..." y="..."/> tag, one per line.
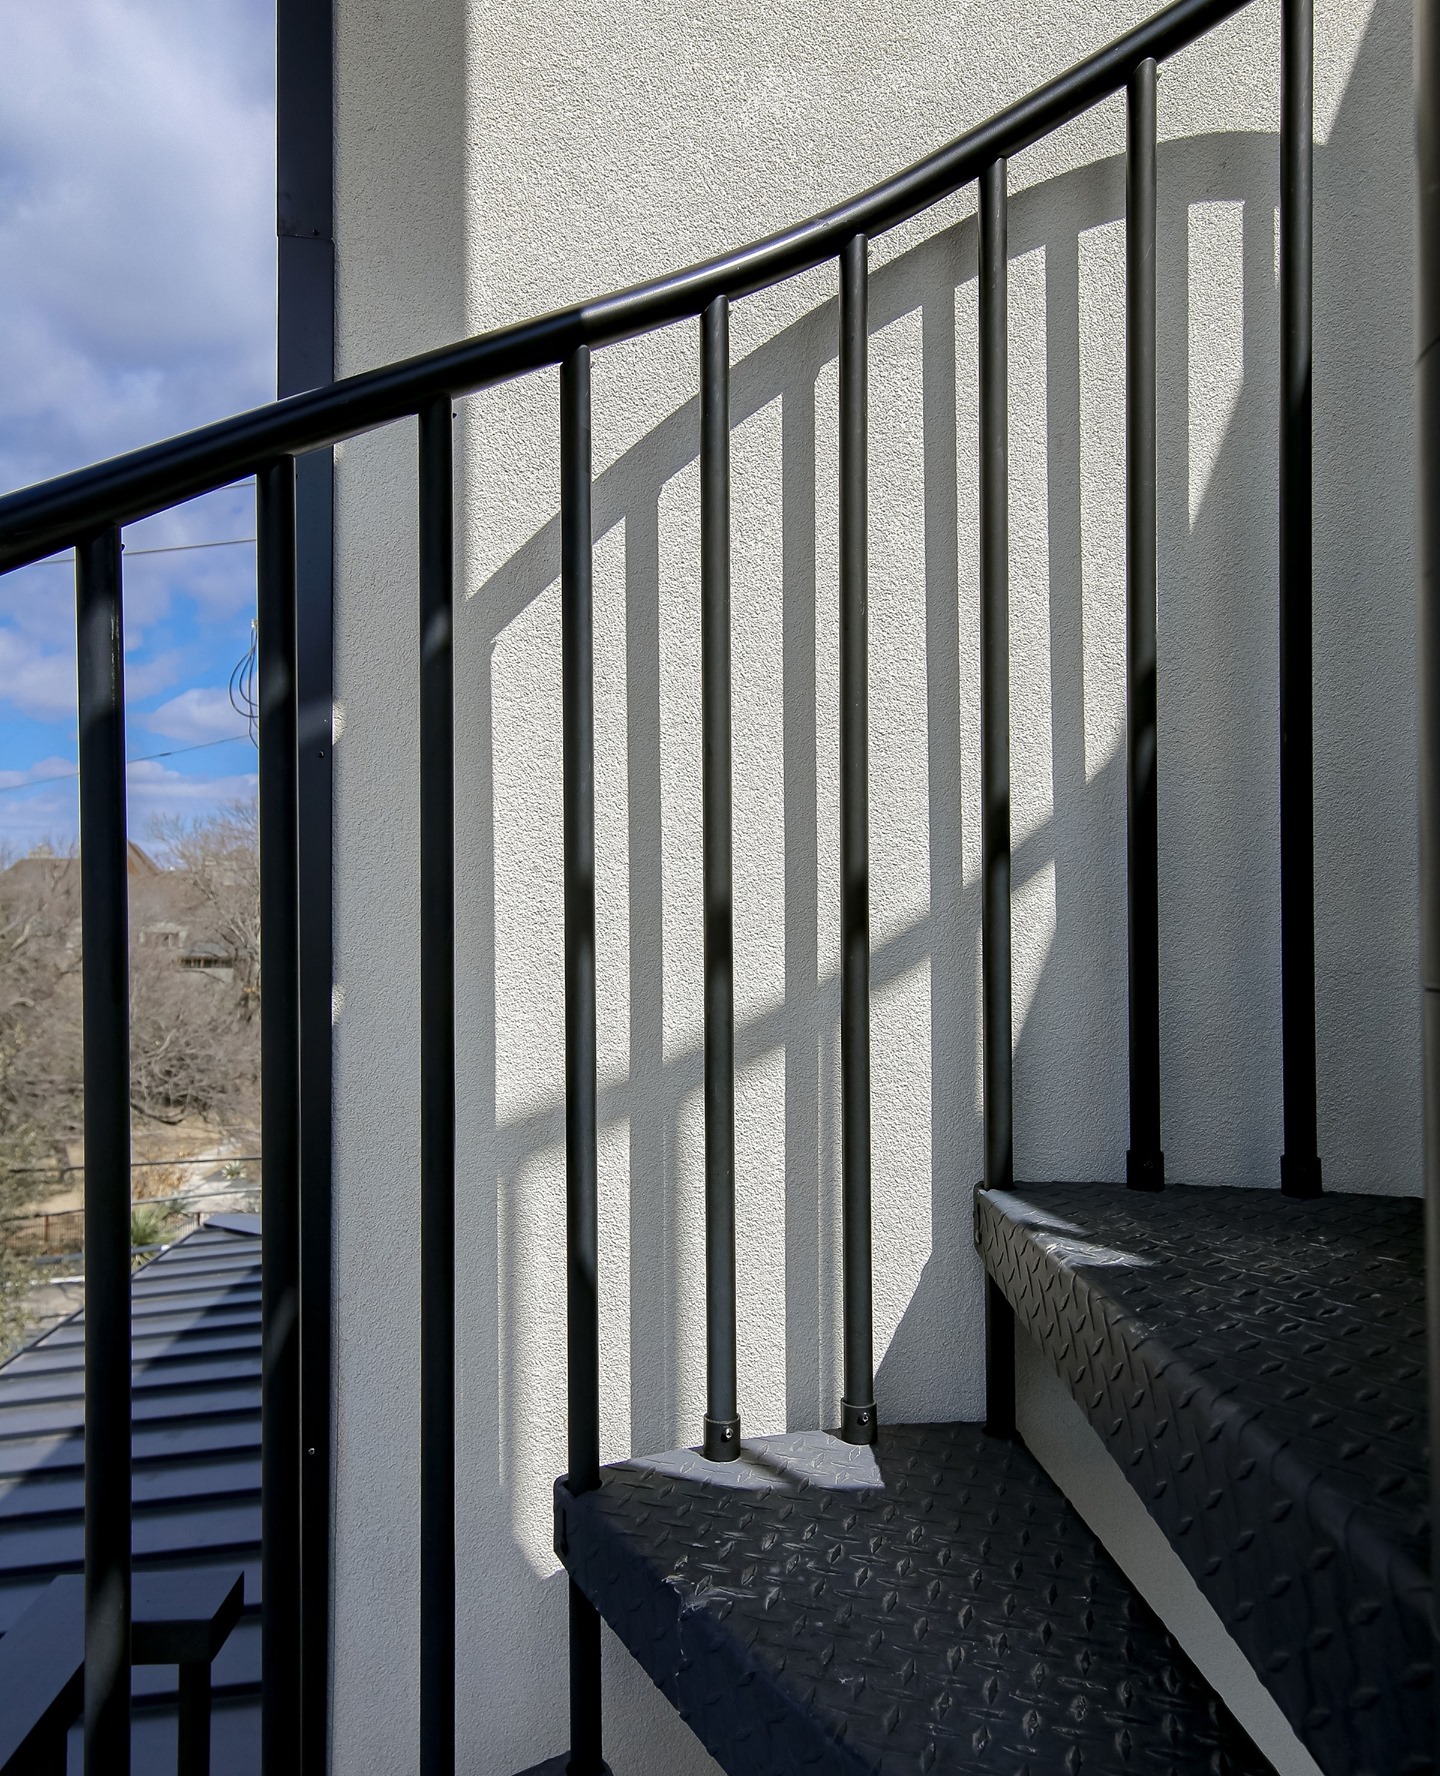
<point x="496" y="161"/>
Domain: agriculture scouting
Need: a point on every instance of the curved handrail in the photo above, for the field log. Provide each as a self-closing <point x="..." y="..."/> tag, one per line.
<point x="36" y="521"/>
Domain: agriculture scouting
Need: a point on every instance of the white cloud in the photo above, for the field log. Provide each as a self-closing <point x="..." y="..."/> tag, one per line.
<point x="37" y="607"/>
<point x="50" y="811"/>
<point x="38" y="680"/>
<point x="155" y="788"/>
<point x="137" y="233"/>
<point x="147" y="678"/>
<point x="42" y="771"/>
<point x="50" y="815"/>
<point x="37" y="617"/>
<point x="195" y="715"/>
<point x="37" y="672"/>
<point x="136" y="223"/>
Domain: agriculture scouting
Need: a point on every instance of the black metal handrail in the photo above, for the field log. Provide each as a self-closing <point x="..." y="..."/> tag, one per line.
<point x="38" y="520"/>
<point x="87" y="508"/>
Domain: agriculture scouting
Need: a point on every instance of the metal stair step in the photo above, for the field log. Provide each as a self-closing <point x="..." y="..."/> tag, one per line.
<point x="1256" y="1366"/>
<point x="931" y="1603"/>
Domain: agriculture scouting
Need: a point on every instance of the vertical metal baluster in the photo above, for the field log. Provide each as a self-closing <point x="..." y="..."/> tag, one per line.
<point x="857" y="1407"/>
<point x="722" y="1415"/>
<point x="1300" y="1162"/>
<point x="995" y="763"/>
<point x="995" y="673"/>
<point x="1427" y="345"/>
<point x="279" y="1124"/>
<point x="581" y="1213"/>
<point x="437" y="1094"/>
<point x="1145" y="1162"/>
<point x="105" y="960"/>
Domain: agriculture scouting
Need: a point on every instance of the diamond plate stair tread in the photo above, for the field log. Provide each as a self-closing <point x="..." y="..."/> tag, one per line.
<point x="932" y="1604"/>
<point x="1256" y="1365"/>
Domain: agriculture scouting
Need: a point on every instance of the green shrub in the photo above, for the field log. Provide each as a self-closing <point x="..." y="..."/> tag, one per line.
<point x="149" y="1222"/>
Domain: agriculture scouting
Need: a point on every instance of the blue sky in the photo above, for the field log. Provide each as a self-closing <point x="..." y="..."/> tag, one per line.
<point x="137" y="279"/>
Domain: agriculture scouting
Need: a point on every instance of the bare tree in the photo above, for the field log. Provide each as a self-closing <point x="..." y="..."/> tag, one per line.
<point x="195" y="997"/>
<point x="40" y="1102"/>
<point x="194" y="1008"/>
<point x="220" y="856"/>
<point x="195" y="1025"/>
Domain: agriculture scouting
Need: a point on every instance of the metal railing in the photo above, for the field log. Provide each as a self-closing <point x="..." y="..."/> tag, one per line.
<point x="86" y="510"/>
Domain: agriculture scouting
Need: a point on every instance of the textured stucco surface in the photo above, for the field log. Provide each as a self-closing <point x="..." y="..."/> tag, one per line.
<point x="497" y="161"/>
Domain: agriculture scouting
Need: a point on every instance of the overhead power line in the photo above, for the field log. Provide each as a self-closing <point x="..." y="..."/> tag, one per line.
<point x="145" y="758"/>
<point x="160" y="549"/>
<point x="68" y="560"/>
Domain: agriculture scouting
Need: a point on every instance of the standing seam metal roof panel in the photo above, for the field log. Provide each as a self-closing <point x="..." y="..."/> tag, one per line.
<point x="196" y="1451"/>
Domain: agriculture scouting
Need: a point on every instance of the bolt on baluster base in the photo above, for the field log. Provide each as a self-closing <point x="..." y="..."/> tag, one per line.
<point x="722" y="1439"/>
<point x="1300" y="1178"/>
<point x="1145" y="1171"/>
<point x="857" y="1423"/>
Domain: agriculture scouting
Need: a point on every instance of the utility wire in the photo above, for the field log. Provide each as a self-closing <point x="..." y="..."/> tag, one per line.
<point x="162" y="549"/>
<point x="184" y="548"/>
<point x="243" y="699"/>
<point x="244" y="686"/>
<point x="144" y="759"/>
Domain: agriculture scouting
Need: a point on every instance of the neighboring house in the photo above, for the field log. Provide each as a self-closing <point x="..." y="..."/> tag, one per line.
<point x="41" y="867"/>
<point x="169" y="911"/>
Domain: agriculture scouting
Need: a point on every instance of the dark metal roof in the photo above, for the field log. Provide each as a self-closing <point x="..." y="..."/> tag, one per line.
<point x="195" y="1321"/>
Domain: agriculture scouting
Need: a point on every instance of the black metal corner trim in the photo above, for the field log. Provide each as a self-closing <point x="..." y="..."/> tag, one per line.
<point x="305" y="359"/>
<point x="928" y="1603"/>
<point x="1256" y="1366"/>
